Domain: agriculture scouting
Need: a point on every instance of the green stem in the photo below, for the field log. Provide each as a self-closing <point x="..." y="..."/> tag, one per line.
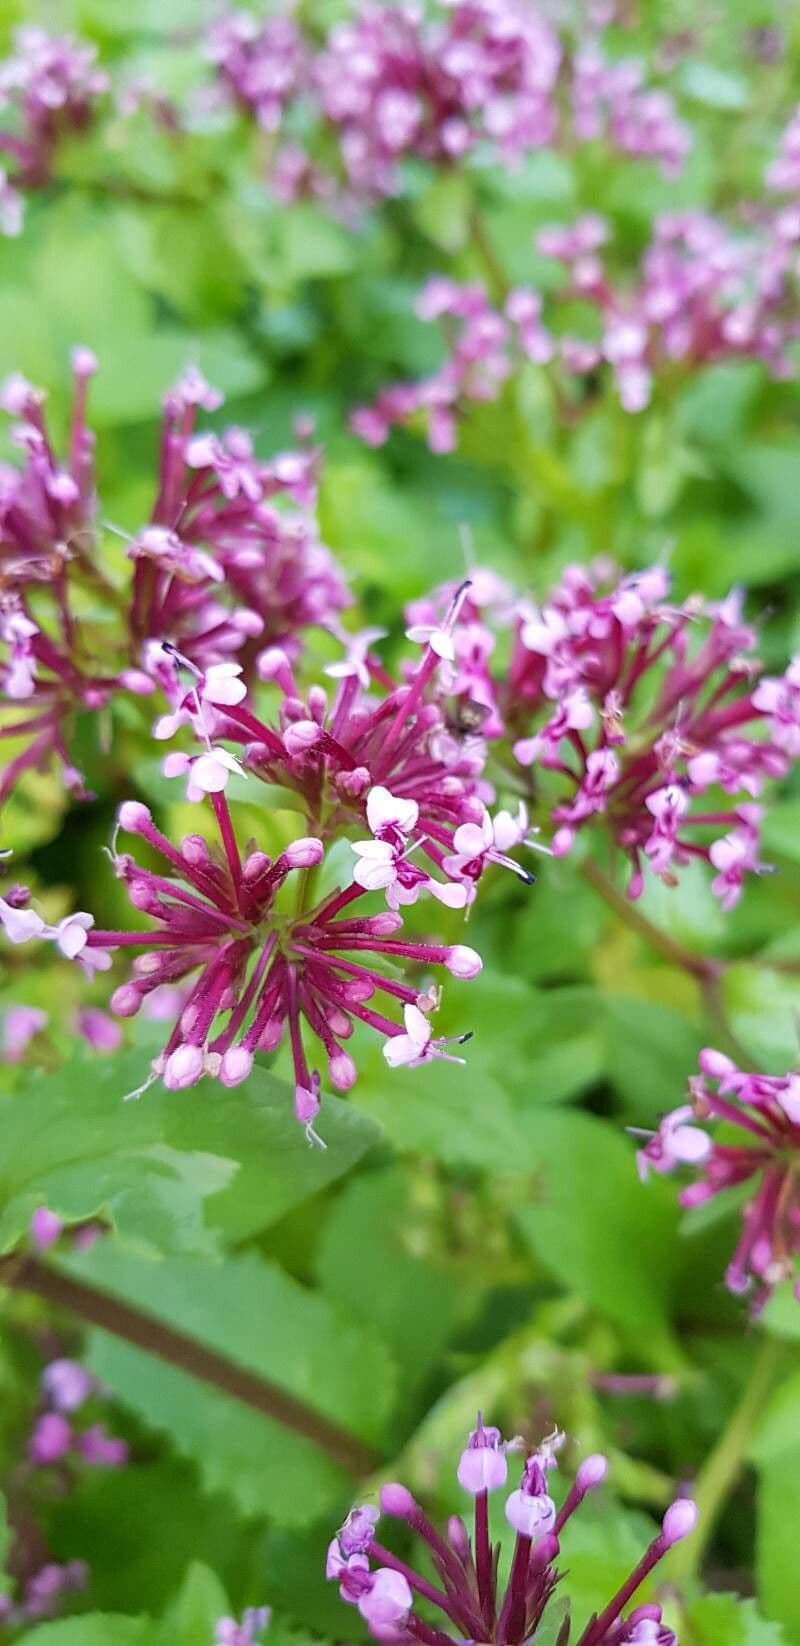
<point x="706" y="973"/>
<point x="724" y="1463"/>
<point x="496" y="278"/>
<point x="696" y="964"/>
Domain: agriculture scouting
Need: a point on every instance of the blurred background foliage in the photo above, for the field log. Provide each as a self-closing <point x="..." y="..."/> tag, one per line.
<point x="471" y="1237"/>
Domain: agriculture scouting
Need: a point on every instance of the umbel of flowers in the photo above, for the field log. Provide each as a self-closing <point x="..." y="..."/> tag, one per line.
<point x="631" y="712"/>
<point x="229" y="562"/>
<point x="270" y="962"/>
<point x="756" y="1142"/>
<point x="469" y="1596"/>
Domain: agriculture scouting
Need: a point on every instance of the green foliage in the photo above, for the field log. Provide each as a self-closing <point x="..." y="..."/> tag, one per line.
<point x="471" y="1236"/>
<point x="257" y="1316"/>
<point x="173" y="1175"/>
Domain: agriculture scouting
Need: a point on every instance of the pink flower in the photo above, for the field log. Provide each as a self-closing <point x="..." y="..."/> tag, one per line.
<point x="46" y="1228"/>
<point x="762" y="1150"/>
<point x="466" y="1598"/>
<point x="21" y="1024"/>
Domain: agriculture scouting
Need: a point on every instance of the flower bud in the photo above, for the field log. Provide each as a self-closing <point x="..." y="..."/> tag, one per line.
<point x="306" y="1105"/>
<point x="342" y="1071"/>
<point x="462" y="961"/>
<point x="302" y="736"/>
<point x="271" y="663"/>
<point x="46" y="1228"/>
<point x="397" y="1501"/>
<point x="715" y="1065"/>
<point x="126" y="1000"/>
<point x="563" y="842"/>
<point x="83" y="362"/>
<point x="679" y="1521"/>
<point x="256" y="864"/>
<point x="592" y="1472"/>
<point x="236" y="1065"/>
<point x="133" y="817"/>
<point x="183" y="1068"/>
<point x="305" y="853"/>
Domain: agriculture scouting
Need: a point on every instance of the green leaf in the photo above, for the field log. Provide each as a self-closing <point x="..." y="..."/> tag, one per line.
<point x="136" y="369"/>
<point x="369" y="1236"/>
<point x="111" y="1513"/>
<point x="778" y="1428"/>
<point x="762" y="1007"/>
<point x="650" y="1052"/>
<point x="728" y="1620"/>
<point x="776" y="1538"/>
<point x="95" y="1629"/>
<point x="706" y="83"/>
<point x="601" y="1547"/>
<point x="443" y="211"/>
<point x="198" y="1608"/>
<point x="256" y="1315"/>
<point x="585" y="1200"/>
<point x="167" y="1170"/>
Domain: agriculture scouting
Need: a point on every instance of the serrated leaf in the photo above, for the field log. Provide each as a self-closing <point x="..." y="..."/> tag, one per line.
<point x="169" y="1169"/>
<point x="585" y="1199"/>
<point x="254" y="1314"/>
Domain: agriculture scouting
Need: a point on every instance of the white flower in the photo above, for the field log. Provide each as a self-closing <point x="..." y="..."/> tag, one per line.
<point x="406" y="1050"/>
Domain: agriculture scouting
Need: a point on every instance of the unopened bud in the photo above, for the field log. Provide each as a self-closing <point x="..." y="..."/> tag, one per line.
<point x="342" y="1071"/>
<point x="592" y="1472"/>
<point x="236" y="1065"/>
<point x="305" y="853"/>
<point x="462" y="961"/>
<point x="397" y="1501"/>
<point x="679" y="1521"/>
<point x="133" y="817"/>
<point x="183" y="1067"/>
<point x="302" y="736"/>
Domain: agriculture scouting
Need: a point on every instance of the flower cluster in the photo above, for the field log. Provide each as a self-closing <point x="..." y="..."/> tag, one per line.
<point x="702" y="294"/>
<point x="247" y="1633"/>
<point x="611" y="101"/>
<point x="49" y="89"/>
<point x="60" y="1444"/>
<point x="392" y="85"/>
<point x="262" y="63"/>
<point x="228" y="916"/>
<point x="630" y="710"/>
<point x="57" y="1438"/>
<point x="759" y="1146"/>
<point x="231" y="559"/>
<point x="42" y="1592"/>
<point x="471" y="1603"/>
<point x="435" y="83"/>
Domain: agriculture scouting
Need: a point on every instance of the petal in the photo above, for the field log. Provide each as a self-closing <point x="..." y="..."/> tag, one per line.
<point x="418" y="1028"/>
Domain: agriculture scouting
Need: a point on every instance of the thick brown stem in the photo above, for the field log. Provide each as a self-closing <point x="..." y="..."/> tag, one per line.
<point x="135" y="1326"/>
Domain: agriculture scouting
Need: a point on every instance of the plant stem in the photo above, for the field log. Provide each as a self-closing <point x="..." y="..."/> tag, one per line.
<point x="496" y="277"/>
<point x="706" y="973"/>
<point x="134" y="1326"/>
<point x="724" y="1463"/>
<point x="698" y="965"/>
